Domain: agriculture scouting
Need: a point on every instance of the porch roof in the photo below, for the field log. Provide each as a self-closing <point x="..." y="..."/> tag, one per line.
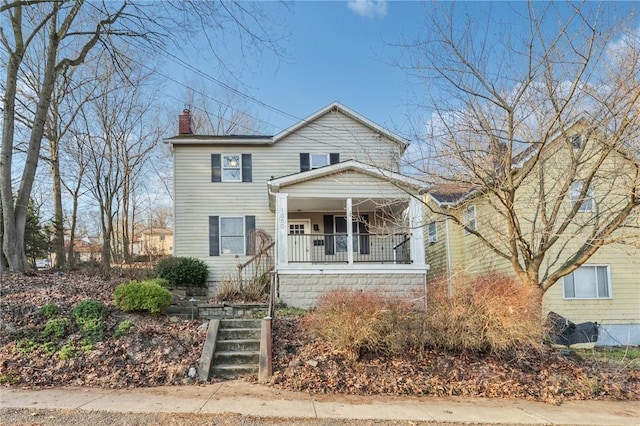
<point x="345" y="166"/>
<point x="326" y="188"/>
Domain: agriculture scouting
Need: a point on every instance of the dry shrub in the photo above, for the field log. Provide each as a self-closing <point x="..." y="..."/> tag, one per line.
<point x="487" y="314"/>
<point x="231" y="290"/>
<point x="360" y="323"/>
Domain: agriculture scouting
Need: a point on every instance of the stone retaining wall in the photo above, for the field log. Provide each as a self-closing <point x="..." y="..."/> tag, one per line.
<point x="303" y="290"/>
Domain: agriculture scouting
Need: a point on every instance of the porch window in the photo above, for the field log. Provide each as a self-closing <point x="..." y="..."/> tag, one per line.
<point x="469" y="219"/>
<point x="588" y="282"/>
<point x="587" y="203"/>
<point x="335" y="229"/>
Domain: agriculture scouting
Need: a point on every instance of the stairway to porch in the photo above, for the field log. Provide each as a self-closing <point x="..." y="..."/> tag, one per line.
<point x="237" y="348"/>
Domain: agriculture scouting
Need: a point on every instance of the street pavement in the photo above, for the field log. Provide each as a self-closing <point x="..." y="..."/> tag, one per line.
<point x="235" y="396"/>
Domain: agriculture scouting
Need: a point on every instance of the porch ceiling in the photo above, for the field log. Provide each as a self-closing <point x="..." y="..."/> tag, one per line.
<point x="309" y="204"/>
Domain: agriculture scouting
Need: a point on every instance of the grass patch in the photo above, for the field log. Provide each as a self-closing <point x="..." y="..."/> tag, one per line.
<point x="615" y="356"/>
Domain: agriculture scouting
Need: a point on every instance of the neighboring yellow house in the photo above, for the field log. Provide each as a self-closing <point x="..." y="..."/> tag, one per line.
<point x="153" y="241"/>
<point x="606" y="287"/>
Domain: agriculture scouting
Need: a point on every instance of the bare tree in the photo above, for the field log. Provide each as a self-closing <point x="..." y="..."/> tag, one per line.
<point x="220" y="113"/>
<point x="71" y="31"/>
<point x="526" y="120"/>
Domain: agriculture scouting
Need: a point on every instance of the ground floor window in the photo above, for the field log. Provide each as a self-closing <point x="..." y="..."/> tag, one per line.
<point x="230" y="235"/>
<point x="588" y="282"/>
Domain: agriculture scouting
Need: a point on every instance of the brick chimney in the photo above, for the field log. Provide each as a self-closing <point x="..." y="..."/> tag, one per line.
<point x="184" y="123"/>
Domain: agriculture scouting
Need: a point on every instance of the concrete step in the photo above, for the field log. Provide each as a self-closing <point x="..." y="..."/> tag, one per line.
<point x="241" y="345"/>
<point x="238" y="334"/>
<point x="241" y="323"/>
<point x="236" y="358"/>
<point x="231" y="371"/>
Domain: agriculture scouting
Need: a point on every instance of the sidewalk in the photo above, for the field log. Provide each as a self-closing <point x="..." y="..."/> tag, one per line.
<point x="256" y="400"/>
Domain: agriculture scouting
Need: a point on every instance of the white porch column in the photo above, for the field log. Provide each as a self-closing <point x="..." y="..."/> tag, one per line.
<point x="282" y="219"/>
<point x="349" y="231"/>
<point x="416" y="222"/>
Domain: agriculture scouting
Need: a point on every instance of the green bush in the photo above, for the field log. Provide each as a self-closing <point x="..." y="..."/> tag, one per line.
<point x="68" y="351"/>
<point x="90" y="316"/>
<point x="123" y="328"/>
<point x="162" y="282"/>
<point x="183" y="271"/>
<point x="49" y="310"/>
<point x="55" y="329"/>
<point x="89" y="309"/>
<point x="142" y="296"/>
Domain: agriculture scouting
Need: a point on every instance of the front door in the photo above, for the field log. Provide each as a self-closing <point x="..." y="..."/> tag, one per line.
<point x="298" y="244"/>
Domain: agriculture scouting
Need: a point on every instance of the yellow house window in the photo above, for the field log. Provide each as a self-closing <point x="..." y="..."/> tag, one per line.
<point x="588" y="282"/>
<point x="469" y="219"/>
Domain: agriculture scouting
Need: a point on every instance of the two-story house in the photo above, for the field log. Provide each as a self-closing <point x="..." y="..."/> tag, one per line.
<point x="327" y="190"/>
<point x="551" y="206"/>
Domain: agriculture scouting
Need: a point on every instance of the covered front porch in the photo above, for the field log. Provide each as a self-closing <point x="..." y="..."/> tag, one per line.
<point x="347" y="215"/>
<point x="348" y="232"/>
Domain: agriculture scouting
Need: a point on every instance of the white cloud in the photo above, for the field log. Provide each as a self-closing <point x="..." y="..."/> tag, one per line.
<point x="369" y="8"/>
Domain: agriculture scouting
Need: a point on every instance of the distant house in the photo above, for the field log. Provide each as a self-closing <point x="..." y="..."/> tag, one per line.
<point x="606" y="289"/>
<point x="86" y="249"/>
<point x="153" y="241"/>
<point x="327" y="191"/>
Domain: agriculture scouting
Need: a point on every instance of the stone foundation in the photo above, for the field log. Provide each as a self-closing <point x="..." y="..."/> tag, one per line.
<point x="303" y="290"/>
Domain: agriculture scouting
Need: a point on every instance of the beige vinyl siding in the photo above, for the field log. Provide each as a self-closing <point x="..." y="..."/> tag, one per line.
<point x="343" y="185"/>
<point x="335" y="132"/>
<point x="196" y="197"/>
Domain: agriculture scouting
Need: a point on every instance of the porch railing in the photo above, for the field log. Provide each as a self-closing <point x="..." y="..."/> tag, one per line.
<point x="332" y="248"/>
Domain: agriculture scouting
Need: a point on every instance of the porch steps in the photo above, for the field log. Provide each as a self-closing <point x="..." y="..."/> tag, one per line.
<point x="237" y="349"/>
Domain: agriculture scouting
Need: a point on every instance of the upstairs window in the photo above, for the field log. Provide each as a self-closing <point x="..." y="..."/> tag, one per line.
<point x="588" y="282"/>
<point x="319" y="160"/>
<point x="587" y="203"/>
<point x="469" y="219"/>
<point x="314" y="161"/>
<point x="231" y="168"/>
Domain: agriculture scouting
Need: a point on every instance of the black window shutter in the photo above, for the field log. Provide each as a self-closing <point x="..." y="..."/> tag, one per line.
<point x="334" y="158"/>
<point x="250" y="240"/>
<point x="214" y="236"/>
<point x="305" y="162"/>
<point x="216" y="168"/>
<point x="328" y="239"/>
<point x="246" y="168"/>
<point x="362" y="230"/>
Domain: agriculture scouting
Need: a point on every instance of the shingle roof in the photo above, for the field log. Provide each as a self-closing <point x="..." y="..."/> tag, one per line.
<point x="449" y="193"/>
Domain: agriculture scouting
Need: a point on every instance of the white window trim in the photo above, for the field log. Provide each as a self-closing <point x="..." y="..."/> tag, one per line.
<point x="466" y="220"/>
<point x="589" y="198"/>
<point x="609" y="289"/>
<point x="326" y="155"/>
<point x="244" y="233"/>
<point x="432" y="238"/>
<point x="223" y="168"/>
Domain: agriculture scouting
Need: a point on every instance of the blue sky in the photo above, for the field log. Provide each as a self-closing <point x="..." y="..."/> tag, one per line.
<point x="333" y="52"/>
<point x="343" y="51"/>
